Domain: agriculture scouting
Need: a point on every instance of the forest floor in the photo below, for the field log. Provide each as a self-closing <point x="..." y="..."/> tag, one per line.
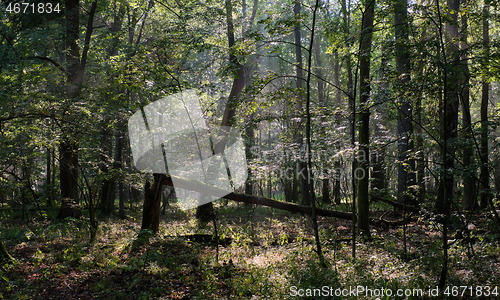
<point x="264" y="254"/>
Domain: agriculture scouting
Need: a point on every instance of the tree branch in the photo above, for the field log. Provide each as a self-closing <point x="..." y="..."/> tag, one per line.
<point x="55" y="63"/>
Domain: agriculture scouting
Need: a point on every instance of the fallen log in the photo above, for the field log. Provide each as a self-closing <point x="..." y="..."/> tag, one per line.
<point x="401" y="206"/>
<point x="297" y="208"/>
<point x="292" y="207"/>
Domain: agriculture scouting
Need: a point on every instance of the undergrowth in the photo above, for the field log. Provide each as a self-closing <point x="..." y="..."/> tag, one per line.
<point x="267" y="254"/>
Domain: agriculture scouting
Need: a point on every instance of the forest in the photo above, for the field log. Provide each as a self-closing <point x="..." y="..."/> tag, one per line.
<point x="249" y="149"/>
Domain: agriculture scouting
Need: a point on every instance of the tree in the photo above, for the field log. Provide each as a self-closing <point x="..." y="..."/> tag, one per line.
<point x="152" y="204"/>
<point x="365" y="44"/>
<point x="75" y="69"/>
<point x="406" y="165"/>
<point x="205" y="212"/>
<point x="469" y="174"/>
<point x="449" y="124"/>
<point x="301" y="164"/>
<point x="484" y="191"/>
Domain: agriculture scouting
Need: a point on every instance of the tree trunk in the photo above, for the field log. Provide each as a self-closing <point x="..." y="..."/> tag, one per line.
<point x="205" y="212"/>
<point x="152" y="204"/>
<point x="323" y="102"/>
<point x="118" y="167"/>
<point x="352" y="110"/>
<point x="378" y="182"/>
<point x="365" y="45"/>
<point x="68" y="172"/>
<point x="484" y="179"/>
<point x="469" y="174"/>
<point x="68" y="148"/>
<point x="449" y="125"/>
<point x="75" y="67"/>
<point x="420" y="154"/>
<point x="48" y="178"/>
<point x="108" y="187"/>
<point x="336" y="192"/>
<point x="107" y="192"/>
<point x="406" y="166"/>
<point x="249" y="143"/>
<point x="301" y="164"/>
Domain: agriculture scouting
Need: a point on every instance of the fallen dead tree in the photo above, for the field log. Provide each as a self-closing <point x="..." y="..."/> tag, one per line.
<point x="400" y="206"/>
<point x="296" y="208"/>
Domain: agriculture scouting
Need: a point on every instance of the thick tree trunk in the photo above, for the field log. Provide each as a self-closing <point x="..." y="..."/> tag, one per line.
<point x="449" y="126"/>
<point x="365" y="45"/>
<point x="68" y="172"/>
<point x="469" y="174"/>
<point x="107" y="191"/>
<point x="406" y="165"/>
<point x="352" y="110"/>
<point x="68" y="148"/>
<point x="238" y="74"/>
<point x="205" y="212"/>
<point x="301" y="165"/>
<point x="152" y="204"/>
<point x="75" y="67"/>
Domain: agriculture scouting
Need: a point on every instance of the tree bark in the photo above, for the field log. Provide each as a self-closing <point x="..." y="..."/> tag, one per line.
<point x="484" y="179"/>
<point x="301" y="164"/>
<point x="336" y="191"/>
<point x="108" y="186"/>
<point x="469" y="174"/>
<point x="323" y="102"/>
<point x="406" y="165"/>
<point x="119" y="166"/>
<point x="205" y="212"/>
<point x="107" y="191"/>
<point x="68" y="147"/>
<point x="362" y="175"/>
<point x="48" y="178"/>
<point x="152" y="204"/>
<point x="449" y="126"/>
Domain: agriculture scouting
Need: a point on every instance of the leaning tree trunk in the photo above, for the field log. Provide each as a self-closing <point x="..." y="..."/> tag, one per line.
<point x="205" y="212"/>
